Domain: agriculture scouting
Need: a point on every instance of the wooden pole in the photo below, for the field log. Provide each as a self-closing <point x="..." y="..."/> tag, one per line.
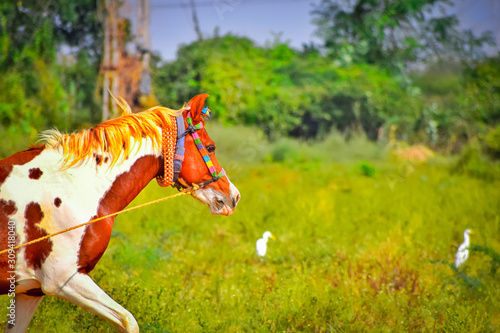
<point x="110" y="61"/>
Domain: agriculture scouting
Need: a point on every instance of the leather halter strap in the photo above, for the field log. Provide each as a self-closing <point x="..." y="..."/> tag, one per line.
<point x="203" y="151"/>
<point x="179" y="149"/>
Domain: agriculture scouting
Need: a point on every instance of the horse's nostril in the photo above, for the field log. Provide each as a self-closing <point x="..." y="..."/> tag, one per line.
<point x="218" y="203"/>
<point x="236" y="199"/>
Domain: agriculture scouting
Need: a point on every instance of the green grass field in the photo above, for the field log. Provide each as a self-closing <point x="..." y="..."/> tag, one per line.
<point x="364" y="243"/>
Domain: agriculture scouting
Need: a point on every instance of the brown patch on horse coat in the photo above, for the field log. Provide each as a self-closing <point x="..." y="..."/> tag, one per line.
<point x="36" y="253"/>
<point x="20" y="158"/>
<point x="57" y="202"/>
<point x="7" y="209"/>
<point x="125" y="188"/>
<point x="35" y="173"/>
<point x="94" y="242"/>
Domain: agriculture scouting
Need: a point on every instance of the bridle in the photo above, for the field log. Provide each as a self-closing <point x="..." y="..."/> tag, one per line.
<point x="173" y="153"/>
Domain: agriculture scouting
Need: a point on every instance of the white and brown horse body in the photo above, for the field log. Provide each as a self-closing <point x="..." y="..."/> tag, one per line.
<point x="41" y="198"/>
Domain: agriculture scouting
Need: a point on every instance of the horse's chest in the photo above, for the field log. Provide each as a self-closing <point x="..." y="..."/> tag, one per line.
<point x="94" y="242"/>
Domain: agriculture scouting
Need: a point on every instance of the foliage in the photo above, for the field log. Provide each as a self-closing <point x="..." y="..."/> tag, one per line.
<point x="367" y="169"/>
<point x="285" y="91"/>
<point x="461" y="104"/>
<point x="304" y="94"/>
<point x="492" y="142"/>
<point x="394" y="33"/>
<point x="473" y="162"/>
<point x="495" y="257"/>
<point x="40" y="86"/>
<point x="482" y="94"/>
<point x="353" y="253"/>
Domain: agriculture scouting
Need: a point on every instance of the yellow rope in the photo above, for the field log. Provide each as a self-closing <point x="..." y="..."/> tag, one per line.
<point x="186" y="191"/>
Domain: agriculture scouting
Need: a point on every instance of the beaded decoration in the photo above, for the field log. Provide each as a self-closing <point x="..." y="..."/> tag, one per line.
<point x="203" y="151"/>
<point x="169" y="141"/>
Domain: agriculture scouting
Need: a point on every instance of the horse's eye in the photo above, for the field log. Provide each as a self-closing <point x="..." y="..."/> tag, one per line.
<point x="211" y="148"/>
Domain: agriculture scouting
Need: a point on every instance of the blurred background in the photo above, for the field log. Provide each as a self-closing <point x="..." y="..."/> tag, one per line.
<point x="427" y="69"/>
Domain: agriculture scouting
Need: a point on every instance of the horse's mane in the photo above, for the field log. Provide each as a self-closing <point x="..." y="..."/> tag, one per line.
<point x="111" y="137"/>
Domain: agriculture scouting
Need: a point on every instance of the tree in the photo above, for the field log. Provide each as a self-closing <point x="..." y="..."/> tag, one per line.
<point x="40" y="84"/>
<point x="39" y="28"/>
<point x="282" y="90"/>
<point x="482" y="93"/>
<point x="394" y="32"/>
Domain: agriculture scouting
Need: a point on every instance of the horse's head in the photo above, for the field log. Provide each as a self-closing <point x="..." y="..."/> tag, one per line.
<point x="200" y="165"/>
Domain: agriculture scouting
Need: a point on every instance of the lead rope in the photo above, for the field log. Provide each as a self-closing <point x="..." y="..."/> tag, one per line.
<point x="186" y="191"/>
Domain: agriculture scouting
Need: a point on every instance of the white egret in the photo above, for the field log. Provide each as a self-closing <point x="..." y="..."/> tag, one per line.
<point x="261" y="244"/>
<point x="463" y="249"/>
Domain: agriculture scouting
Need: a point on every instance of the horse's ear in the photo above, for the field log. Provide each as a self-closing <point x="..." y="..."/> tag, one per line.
<point x="196" y="105"/>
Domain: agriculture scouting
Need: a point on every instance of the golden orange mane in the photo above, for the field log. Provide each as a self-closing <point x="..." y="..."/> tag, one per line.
<point x="111" y="137"/>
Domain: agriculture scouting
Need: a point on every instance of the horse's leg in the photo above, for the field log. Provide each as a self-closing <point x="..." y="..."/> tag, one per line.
<point x="81" y="290"/>
<point x="24" y="311"/>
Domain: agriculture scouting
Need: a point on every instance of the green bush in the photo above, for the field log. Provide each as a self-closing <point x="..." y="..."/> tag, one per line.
<point x="472" y="162"/>
<point x="367" y="169"/>
<point x="285" y="151"/>
<point x="285" y="91"/>
<point x="492" y="142"/>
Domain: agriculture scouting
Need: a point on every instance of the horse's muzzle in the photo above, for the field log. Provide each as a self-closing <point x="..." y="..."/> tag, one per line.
<point x="221" y="205"/>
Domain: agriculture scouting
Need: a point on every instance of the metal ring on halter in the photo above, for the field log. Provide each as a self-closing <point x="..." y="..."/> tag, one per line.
<point x="190" y="130"/>
<point x="214" y="179"/>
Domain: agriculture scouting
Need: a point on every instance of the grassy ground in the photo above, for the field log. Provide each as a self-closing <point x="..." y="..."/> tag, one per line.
<point x="363" y="244"/>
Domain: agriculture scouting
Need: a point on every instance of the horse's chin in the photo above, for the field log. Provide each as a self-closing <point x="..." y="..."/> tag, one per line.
<point x="226" y="210"/>
<point x="216" y="202"/>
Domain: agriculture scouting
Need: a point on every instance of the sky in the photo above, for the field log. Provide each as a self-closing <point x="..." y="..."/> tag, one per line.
<point x="265" y="20"/>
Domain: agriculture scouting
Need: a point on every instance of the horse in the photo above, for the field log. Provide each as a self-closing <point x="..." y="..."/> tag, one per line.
<point x="75" y="178"/>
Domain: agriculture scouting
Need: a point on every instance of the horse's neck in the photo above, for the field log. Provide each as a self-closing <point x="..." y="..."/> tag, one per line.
<point x="128" y="177"/>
